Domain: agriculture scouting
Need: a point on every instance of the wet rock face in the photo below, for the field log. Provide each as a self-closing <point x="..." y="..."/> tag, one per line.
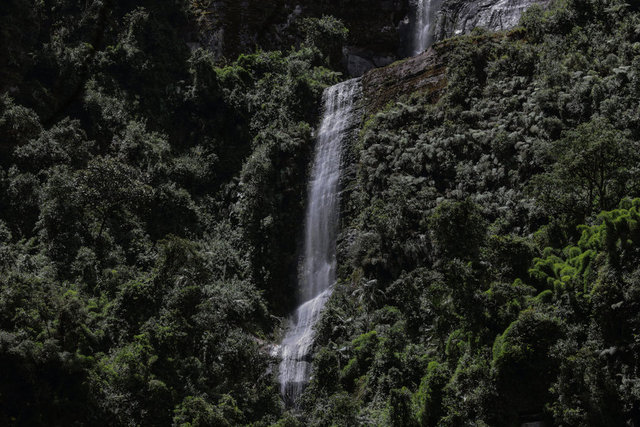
<point x="380" y="31"/>
<point x="425" y="72"/>
<point x="358" y="61"/>
<point x="370" y="50"/>
<point x="462" y="16"/>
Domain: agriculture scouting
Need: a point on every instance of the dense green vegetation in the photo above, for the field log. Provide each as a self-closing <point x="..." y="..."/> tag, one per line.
<point x="489" y="269"/>
<point x="151" y="203"/>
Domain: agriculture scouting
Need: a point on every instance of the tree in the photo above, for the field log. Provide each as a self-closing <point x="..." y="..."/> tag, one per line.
<point x="522" y="363"/>
<point x="594" y="166"/>
<point x="400" y="408"/>
<point x="458" y="229"/>
<point x="428" y="398"/>
<point x="327" y="34"/>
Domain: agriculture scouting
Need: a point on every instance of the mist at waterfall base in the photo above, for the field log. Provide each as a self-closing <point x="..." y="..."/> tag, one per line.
<point x="318" y="269"/>
<point x="424" y="25"/>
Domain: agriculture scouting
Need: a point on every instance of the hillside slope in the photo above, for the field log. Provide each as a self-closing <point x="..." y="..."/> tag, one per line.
<point x="489" y="250"/>
<point x="152" y="198"/>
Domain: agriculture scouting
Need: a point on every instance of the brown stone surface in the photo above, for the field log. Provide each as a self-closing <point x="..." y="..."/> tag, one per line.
<point x="423" y="73"/>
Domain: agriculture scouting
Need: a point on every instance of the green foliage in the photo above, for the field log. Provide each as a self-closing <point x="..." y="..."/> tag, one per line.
<point x="327" y="34"/>
<point x="453" y="219"/>
<point x="268" y="213"/>
<point x="364" y="348"/>
<point x="428" y="398"/>
<point x="18" y="124"/>
<point x="197" y="412"/>
<point x="616" y="235"/>
<point x="400" y="410"/>
<point x="595" y="166"/>
<point x="151" y="198"/>
<point x="150" y="201"/>
<point x="340" y="409"/>
<point x="484" y="267"/>
<point x="522" y="367"/>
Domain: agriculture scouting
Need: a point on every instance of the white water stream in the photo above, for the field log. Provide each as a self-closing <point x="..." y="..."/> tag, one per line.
<point x="425" y="23"/>
<point x="318" y="269"/>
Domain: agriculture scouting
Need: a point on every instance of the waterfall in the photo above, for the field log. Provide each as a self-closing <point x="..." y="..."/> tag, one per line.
<point x="318" y="269"/>
<point x="424" y="26"/>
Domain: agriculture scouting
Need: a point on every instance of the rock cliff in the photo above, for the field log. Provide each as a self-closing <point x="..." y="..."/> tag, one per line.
<point x="461" y="16"/>
<point x="424" y="72"/>
<point x="379" y="30"/>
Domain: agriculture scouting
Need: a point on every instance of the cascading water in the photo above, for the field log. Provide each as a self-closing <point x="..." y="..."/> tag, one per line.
<point x="424" y="27"/>
<point x="318" y="269"/>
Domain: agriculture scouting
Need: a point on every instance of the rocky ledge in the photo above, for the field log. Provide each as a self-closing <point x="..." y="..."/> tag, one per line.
<point x="379" y="30"/>
<point x="422" y="73"/>
<point x="462" y="16"/>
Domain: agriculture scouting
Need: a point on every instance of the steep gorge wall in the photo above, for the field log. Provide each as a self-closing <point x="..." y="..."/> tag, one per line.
<point x="461" y="16"/>
<point x="379" y="30"/>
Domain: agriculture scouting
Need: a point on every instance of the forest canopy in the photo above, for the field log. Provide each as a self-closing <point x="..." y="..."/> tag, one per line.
<point x="152" y="200"/>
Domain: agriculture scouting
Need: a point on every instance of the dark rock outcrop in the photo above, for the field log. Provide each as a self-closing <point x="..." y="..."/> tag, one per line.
<point x="379" y="30"/>
<point x="462" y="16"/>
<point x="422" y="73"/>
<point x="231" y="27"/>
